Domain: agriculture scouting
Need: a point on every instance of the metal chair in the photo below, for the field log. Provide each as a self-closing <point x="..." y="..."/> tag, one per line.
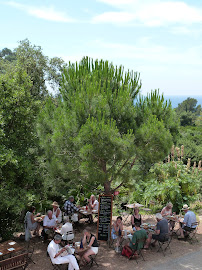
<point x="93" y="260"/>
<point x="30" y="252"/>
<point x="192" y="234"/>
<point x="165" y="244"/>
<point x="125" y="215"/>
<point x="59" y="266"/>
<point x="139" y="247"/>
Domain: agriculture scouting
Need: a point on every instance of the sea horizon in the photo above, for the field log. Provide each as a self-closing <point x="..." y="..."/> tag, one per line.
<point x="175" y="100"/>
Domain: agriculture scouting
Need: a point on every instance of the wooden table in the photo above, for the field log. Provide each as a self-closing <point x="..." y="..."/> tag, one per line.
<point x="148" y="227"/>
<point x="173" y="220"/>
<point x="88" y="212"/>
<point x="8" y="250"/>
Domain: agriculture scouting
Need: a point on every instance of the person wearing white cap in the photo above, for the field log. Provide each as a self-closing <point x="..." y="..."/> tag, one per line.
<point x="186" y="225"/>
<point x="56" y="254"/>
<point x="160" y="233"/>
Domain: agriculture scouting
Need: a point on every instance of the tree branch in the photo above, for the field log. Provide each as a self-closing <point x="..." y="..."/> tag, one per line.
<point x="132" y="164"/>
<point x="124" y="164"/>
<point x="118" y="187"/>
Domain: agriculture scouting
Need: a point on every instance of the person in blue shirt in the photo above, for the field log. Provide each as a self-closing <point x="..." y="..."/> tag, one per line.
<point x="187" y="224"/>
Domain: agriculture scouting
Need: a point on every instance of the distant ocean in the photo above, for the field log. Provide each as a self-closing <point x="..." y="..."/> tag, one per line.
<point x="175" y="100"/>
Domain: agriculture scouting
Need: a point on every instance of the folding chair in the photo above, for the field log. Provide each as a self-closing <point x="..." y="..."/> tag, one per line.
<point x="192" y="234"/>
<point x="59" y="266"/>
<point x="125" y="216"/>
<point x="165" y="244"/>
<point x="140" y="245"/>
<point x="30" y="251"/>
<point x="93" y="260"/>
<point x="139" y="251"/>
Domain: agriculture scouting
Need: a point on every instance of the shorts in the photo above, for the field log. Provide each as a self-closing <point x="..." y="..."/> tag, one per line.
<point x="159" y="237"/>
<point x="188" y="229"/>
<point x="94" y="249"/>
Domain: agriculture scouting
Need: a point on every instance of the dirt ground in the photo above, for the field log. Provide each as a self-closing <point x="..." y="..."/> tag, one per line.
<point x="108" y="259"/>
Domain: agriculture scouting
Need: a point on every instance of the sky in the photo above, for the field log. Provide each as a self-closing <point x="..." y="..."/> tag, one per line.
<point x="161" y="40"/>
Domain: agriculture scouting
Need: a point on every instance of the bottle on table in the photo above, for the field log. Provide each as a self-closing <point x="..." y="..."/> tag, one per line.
<point x="81" y="244"/>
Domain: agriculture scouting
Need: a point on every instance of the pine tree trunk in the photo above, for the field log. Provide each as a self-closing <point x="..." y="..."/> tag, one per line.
<point x="107" y="188"/>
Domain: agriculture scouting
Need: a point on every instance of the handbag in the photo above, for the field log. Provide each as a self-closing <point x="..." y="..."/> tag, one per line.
<point x="126" y="252"/>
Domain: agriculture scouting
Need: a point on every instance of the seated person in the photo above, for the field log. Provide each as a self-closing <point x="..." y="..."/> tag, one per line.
<point x="167" y="211"/>
<point x="57" y="212"/>
<point x="56" y="256"/>
<point x="161" y="232"/>
<point x="136" y="217"/>
<point x="49" y="224"/>
<point x="30" y="223"/>
<point x="67" y="231"/>
<point x="69" y="207"/>
<point x="138" y="240"/>
<point x="186" y="225"/>
<point x="92" y="245"/>
<point x="116" y="233"/>
<point x="93" y="205"/>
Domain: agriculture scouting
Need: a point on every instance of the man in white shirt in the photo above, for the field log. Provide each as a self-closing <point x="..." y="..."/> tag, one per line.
<point x="55" y="253"/>
<point x="49" y="223"/>
<point x="67" y="231"/>
<point x="189" y="219"/>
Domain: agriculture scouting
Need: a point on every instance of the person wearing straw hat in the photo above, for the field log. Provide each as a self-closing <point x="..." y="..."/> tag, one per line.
<point x="186" y="225"/>
<point x="57" y="212"/>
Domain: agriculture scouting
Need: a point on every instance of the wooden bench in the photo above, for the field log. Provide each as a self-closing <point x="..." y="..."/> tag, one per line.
<point x="14" y="262"/>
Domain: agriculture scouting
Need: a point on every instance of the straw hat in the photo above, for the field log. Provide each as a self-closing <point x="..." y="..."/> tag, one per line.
<point x="55" y="204"/>
<point x="185" y="207"/>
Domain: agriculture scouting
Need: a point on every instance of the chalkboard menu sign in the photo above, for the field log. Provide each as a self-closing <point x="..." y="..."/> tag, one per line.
<point x="104" y="217"/>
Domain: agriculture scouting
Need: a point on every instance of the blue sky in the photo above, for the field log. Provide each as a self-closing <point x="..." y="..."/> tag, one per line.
<point x="160" y="39"/>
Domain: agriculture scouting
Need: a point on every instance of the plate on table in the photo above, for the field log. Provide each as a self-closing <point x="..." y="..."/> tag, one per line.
<point x="130" y="236"/>
<point x="94" y="211"/>
<point x="38" y="218"/>
<point x="11" y="249"/>
<point x="151" y="230"/>
<point x="12" y="243"/>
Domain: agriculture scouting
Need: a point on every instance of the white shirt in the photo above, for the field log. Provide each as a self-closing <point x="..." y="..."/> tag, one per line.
<point x="96" y="203"/>
<point x="53" y="249"/>
<point x="49" y="222"/>
<point x="67" y="227"/>
<point x="59" y="218"/>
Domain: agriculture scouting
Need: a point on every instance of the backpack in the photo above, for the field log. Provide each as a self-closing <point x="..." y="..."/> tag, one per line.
<point x="126" y="252"/>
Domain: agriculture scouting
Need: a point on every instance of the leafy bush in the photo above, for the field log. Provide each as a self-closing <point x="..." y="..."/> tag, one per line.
<point x="172" y="181"/>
